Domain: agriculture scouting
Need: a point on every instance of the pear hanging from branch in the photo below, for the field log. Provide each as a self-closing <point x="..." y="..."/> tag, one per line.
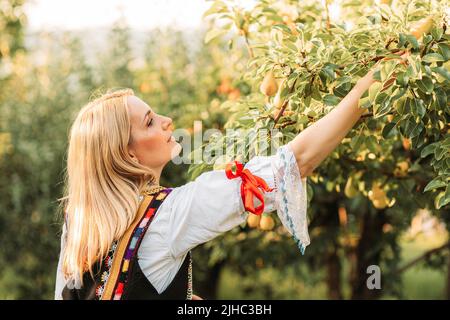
<point x="269" y="85"/>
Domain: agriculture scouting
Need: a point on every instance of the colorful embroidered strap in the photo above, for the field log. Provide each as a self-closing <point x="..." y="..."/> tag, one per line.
<point x="118" y="261"/>
<point x="249" y="187"/>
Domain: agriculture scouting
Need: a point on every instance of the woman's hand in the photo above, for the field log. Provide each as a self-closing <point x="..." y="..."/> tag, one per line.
<point x="368" y="78"/>
<point x="404" y="61"/>
<point x="316" y="142"/>
<point x="195" y="297"/>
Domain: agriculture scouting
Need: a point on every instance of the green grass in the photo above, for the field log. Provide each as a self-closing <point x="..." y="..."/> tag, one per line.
<point x="418" y="282"/>
<point x="272" y="284"/>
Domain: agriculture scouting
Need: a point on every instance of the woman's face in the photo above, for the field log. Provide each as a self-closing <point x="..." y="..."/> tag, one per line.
<point x="151" y="142"/>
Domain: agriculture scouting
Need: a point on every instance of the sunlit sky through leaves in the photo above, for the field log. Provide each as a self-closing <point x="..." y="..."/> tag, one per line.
<point x="140" y="14"/>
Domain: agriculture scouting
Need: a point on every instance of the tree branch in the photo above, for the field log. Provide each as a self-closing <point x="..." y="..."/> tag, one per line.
<point x="426" y="255"/>
<point x="250" y="50"/>
<point x="283" y="107"/>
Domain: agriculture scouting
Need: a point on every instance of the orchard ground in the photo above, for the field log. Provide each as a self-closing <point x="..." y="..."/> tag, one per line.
<point x="418" y="282"/>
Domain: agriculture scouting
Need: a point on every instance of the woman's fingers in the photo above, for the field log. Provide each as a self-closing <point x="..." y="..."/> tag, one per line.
<point x="404" y="60"/>
<point x="391" y="80"/>
<point x="401" y="53"/>
<point x="196" y="297"/>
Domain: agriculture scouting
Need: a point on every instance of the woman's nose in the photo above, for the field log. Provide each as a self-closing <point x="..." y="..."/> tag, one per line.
<point x="168" y="124"/>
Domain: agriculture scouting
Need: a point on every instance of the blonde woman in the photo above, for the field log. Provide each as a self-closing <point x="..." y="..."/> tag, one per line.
<point x="126" y="237"/>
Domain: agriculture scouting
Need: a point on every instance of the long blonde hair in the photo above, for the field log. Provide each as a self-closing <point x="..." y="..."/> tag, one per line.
<point x="102" y="183"/>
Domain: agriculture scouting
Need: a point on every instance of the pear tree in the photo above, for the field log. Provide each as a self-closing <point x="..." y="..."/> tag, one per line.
<point x="303" y="57"/>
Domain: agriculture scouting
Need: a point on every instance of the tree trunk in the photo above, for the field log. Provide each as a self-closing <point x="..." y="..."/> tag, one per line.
<point x="333" y="263"/>
<point x="368" y="254"/>
<point x="334" y="274"/>
<point x="208" y="287"/>
<point x="326" y="218"/>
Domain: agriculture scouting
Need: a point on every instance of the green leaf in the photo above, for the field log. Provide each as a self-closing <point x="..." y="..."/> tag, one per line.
<point x="387" y="129"/>
<point x="414" y="70"/>
<point x="439" y="153"/>
<point x="266" y="9"/>
<point x="364" y="102"/>
<point x="282" y="27"/>
<point x="437" y="33"/>
<point x="276" y="18"/>
<point x="372" y="143"/>
<point x="214" y="33"/>
<point x="442" y="71"/>
<point x="441" y="99"/>
<point x="381" y="97"/>
<point x="411" y="72"/>
<point x="343" y="80"/>
<point x="398" y="93"/>
<point x="331" y="100"/>
<point x="446" y="142"/>
<point x="445" y="199"/>
<point x="315" y="93"/>
<point x="438" y="199"/>
<point x="419" y="108"/>
<point x="291" y="45"/>
<point x="374" y="90"/>
<point x="377" y="75"/>
<point x="444" y="50"/>
<point x="412" y="129"/>
<point x="356" y="142"/>
<point x="413" y="41"/>
<point x="434" y="184"/>
<point x="427" y="39"/>
<point x="429" y="149"/>
<point x="433" y="57"/>
<point x="328" y="72"/>
<point x="294" y="75"/>
<point x="342" y="90"/>
<point x="425" y="84"/>
<point x="402" y="79"/>
<point x="401" y="40"/>
<point x="400" y="105"/>
<point x="387" y="70"/>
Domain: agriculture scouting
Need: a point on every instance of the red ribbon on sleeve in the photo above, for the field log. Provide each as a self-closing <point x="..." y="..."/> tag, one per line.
<point x="249" y="187"/>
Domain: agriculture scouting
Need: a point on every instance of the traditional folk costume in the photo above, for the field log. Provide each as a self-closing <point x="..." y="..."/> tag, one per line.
<point x="153" y="259"/>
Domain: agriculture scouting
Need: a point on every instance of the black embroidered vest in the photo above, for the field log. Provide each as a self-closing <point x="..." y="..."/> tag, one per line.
<point x="131" y="282"/>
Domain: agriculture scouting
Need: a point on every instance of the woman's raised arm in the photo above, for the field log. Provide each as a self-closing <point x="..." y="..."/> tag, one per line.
<point x="315" y="143"/>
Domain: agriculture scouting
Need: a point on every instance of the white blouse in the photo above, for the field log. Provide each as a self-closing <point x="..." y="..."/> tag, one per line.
<point x="210" y="205"/>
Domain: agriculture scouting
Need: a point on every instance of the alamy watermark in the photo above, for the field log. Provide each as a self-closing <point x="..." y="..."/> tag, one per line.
<point x="374" y="280"/>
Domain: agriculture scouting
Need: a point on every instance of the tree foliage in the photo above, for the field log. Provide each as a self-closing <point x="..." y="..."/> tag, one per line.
<point x="394" y="161"/>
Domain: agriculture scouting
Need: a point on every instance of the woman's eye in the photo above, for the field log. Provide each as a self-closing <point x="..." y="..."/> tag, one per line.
<point x="150" y="122"/>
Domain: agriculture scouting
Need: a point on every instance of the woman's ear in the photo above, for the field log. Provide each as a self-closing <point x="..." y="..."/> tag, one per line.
<point x="133" y="156"/>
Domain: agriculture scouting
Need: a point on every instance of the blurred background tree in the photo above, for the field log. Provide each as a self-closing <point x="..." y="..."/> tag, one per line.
<point x="47" y="76"/>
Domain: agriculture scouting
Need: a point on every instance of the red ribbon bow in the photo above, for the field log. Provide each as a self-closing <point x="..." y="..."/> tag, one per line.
<point x="249" y="186"/>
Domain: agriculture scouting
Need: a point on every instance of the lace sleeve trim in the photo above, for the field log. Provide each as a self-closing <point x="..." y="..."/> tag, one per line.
<point x="291" y="197"/>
